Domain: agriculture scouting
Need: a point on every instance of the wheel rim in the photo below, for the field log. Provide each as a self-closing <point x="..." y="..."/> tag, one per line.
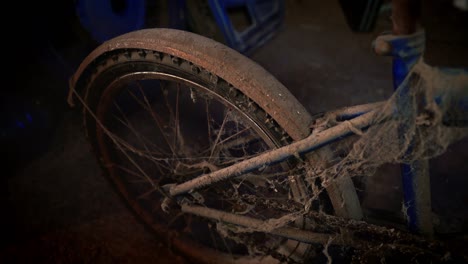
<point x="233" y="127"/>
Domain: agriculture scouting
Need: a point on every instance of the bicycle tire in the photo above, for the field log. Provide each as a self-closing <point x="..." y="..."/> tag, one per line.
<point x="197" y="62"/>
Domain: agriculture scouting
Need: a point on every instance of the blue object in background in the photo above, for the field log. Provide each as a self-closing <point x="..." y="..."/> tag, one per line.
<point x="177" y="14"/>
<point x="105" y="19"/>
<point x="265" y="17"/>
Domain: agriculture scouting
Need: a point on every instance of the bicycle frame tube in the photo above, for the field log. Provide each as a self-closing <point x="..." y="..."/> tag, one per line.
<point x="406" y="46"/>
<point x="365" y="118"/>
<point x="406" y="51"/>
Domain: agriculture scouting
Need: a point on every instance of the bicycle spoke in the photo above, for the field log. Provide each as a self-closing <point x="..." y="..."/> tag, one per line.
<point x="142" y="139"/>
<point x="233" y="141"/>
<point x="123" y="144"/>
<point x="128" y="171"/>
<point x="208" y="118"/>
<point x="111" y="136"/>
<point x="178" y="139"/>
<point x="153" y="114"/>
<point x="146" y="194"/>
<point x="220" y="132"/>
<point x="172" y="115"/>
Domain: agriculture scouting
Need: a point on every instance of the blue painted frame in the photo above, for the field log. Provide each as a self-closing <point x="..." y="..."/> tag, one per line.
<point x="406" y="51"/>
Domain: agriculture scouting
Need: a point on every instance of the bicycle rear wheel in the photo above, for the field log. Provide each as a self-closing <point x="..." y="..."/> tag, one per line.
<point x="165" y="106"/>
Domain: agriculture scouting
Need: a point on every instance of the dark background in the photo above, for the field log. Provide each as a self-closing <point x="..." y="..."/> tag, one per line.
<point x="56" y="206"/>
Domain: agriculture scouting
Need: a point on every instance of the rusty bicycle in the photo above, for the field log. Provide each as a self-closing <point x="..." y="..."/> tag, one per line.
<point x="222" y="162"/>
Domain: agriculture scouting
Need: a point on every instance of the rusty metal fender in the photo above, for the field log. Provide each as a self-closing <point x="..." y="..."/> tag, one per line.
<point x="243" y="73"/>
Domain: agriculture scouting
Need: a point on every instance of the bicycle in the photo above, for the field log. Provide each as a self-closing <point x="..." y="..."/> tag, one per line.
<point x="223" y="163"/>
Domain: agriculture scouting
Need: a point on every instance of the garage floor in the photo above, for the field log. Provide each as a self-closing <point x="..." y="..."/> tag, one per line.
<point x="59" y="209"/>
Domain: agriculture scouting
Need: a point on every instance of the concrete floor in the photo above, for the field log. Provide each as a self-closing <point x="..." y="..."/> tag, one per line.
<point x="59" y="207"/>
